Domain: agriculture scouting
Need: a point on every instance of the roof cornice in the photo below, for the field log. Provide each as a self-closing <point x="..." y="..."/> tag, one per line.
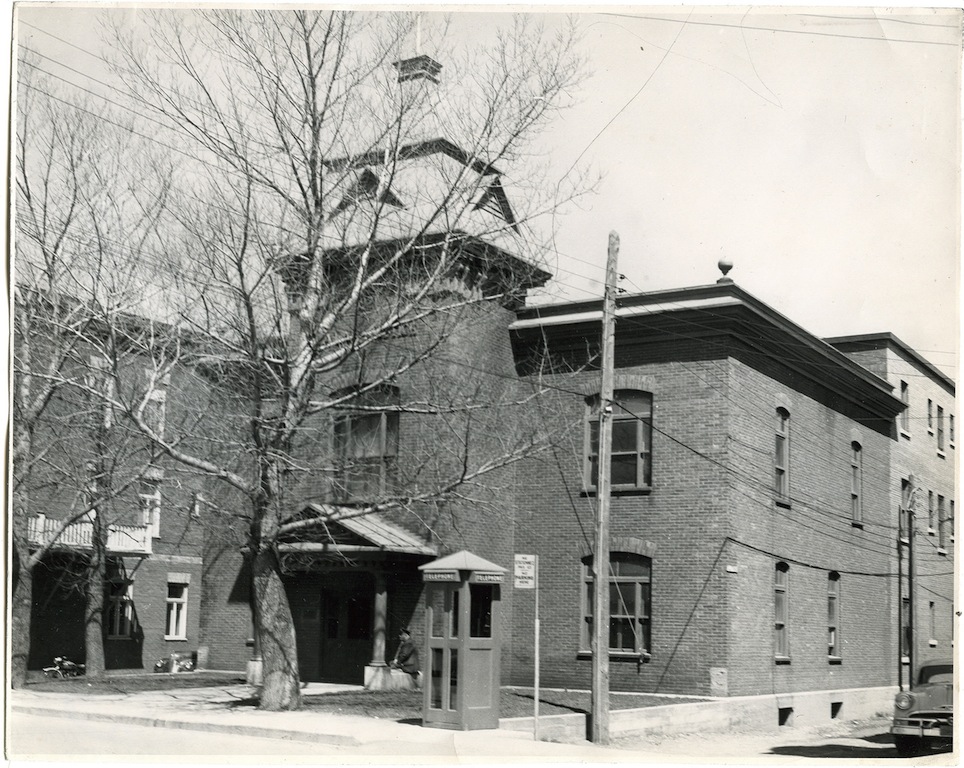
<point x="416" y="149"/>
<point x="728" y="308"/>
<point x="889" y="339"/>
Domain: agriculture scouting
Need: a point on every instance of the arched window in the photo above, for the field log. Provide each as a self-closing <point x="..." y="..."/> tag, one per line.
<point x="366" y="446"/>
<point x="781" y="457"/>
<point x="630" y="604"/>
<point x="781" y="610"/>
<point x="856" y="484"/>
<point x="833" y="615"/>
<point x="631" y="441"/>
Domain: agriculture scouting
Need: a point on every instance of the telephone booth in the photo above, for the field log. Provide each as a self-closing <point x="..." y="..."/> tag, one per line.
<point x="463" y="642"/>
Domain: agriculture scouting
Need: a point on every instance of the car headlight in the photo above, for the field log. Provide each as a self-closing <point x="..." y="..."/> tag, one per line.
<point x="903" y="701"/>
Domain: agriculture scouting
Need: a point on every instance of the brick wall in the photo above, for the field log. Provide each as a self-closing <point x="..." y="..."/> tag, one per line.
<point x="717" y="534"/>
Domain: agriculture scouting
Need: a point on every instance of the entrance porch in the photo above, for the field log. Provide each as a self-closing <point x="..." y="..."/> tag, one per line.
<point x="350" y="596"/>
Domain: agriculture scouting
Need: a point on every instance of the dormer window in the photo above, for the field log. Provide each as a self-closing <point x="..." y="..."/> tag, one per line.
<point x="367" y="187"/>
<point x="492" y="199"/>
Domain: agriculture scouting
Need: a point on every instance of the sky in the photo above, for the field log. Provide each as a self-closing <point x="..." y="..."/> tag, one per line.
<point x="818" y="150"/>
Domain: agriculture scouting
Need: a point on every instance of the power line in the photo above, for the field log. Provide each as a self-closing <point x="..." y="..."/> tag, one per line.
<point x="808" y="33"/>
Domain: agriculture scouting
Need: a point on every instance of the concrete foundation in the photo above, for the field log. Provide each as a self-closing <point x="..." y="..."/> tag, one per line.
<point x="378" y="678"/>
<point x="758" y="713"/>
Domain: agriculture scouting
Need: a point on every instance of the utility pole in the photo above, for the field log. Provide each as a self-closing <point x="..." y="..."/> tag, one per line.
<point x="600" y="561"/>
<point x="900" y="606"/>
<point x="911" y="578"/>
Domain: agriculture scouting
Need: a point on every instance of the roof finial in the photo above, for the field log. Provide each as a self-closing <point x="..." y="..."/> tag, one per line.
<point x="725" y="266"/>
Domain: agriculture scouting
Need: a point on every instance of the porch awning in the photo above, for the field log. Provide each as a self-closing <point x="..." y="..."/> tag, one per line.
<point x="363" y="534"/>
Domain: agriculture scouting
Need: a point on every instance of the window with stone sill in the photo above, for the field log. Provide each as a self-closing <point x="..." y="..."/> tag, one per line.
<point x="905" y="414"/>
<point x="366" y="446"/>
<point x="781" y="612"/>
<point x="630" y="605"/>
<point x="856" y="484"/>
<point x="781" y="457"/>
<point x="942" y="526"/>
<point x="833" y="615"/>
<point x="940" y="429"/>
<point x="176" y="605"/>
<point x="632" y="439"/>
<point x="149" y="496"/>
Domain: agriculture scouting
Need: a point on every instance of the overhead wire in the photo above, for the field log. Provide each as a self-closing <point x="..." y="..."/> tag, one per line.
<point x="175" y="149"/>
<point x="807" y="32"/>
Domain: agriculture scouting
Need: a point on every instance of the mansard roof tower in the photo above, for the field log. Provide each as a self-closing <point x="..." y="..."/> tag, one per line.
<point x="426" y="192"/>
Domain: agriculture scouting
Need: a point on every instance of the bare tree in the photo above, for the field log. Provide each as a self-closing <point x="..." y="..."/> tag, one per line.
<point x="78" y="231"/>
<point x="343" y="224"/>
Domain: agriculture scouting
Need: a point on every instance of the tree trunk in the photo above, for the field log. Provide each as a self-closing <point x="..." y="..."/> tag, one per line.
<point x="96" y="579"/>
<point x="20" y="611"/>
<point x="281" y="685"/>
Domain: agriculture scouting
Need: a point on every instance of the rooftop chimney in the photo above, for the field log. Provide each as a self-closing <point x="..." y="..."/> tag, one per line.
<point x="420" y="67"/>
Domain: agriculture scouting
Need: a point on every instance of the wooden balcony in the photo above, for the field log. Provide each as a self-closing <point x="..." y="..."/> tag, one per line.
<point x="121" y="539"/>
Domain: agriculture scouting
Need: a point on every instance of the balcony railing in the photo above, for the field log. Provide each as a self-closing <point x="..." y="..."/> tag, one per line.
<point x="132" y="539"/>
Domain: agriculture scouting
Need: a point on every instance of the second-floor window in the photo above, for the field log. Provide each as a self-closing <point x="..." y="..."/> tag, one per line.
<point x="100" y="380"/>
<point x="905" y="414"/>
<point x="631" y="442"/>
<point x="366" y="444"/>
<point x="940" y="428"/>
<point x="155" y="409"/>
<point x="856" y="483"/>
<point x="905" y="519"/>
<point x="149" y="494"/>
<point x="781" y="456"/>
<point x="941" y="523"/>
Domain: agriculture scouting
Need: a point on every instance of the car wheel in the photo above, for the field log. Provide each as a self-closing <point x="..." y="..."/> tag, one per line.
<point x="908" y="746"/>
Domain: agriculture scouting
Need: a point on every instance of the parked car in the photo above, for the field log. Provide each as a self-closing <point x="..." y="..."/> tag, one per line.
<point x="924" y="715"/>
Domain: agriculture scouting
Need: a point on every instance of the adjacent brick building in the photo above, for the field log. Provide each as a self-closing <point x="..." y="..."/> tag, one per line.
<point x="153" y="510"/>
<point x="923" y="482"/>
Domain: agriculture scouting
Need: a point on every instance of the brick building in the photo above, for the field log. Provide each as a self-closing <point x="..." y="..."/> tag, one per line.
<point x="757" y="479"/>
<point x="761" y="478"/>
<point x="152" y="594"/>
<point x="757" y="502"/>
<point x="922" y="481"/>
<point x="406" y="424"/>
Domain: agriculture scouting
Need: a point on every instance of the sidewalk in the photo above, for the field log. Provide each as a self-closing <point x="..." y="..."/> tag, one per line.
<point x="221" y="710"/>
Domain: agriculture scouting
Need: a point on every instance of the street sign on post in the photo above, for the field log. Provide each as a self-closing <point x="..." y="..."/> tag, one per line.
<point x="527" y="577"/>
<point x="525" y="571"/>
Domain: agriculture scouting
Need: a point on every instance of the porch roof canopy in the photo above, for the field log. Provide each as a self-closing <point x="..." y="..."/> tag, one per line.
<point x="462" y="561"/>
<point x="362" y="533"/>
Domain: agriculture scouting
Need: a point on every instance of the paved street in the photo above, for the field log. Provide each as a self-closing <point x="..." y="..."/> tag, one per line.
<point x="32" y="736"/>
<point x="867" y="741"/>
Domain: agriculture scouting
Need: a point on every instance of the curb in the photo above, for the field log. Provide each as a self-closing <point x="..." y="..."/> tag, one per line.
<point x="192" y="725"/>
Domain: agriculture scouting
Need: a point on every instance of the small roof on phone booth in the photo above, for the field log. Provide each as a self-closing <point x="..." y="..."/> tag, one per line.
<point x="461" y="561"/>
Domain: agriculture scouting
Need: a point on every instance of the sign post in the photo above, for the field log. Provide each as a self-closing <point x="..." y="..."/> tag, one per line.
<point x="527" y="577"/>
